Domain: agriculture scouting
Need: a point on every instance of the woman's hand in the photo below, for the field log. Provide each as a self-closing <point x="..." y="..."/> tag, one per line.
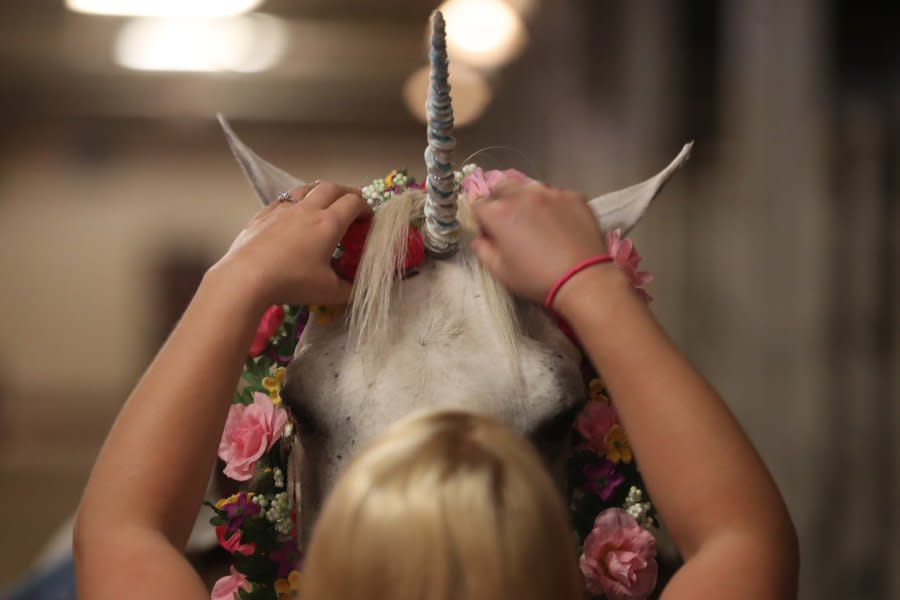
<point x="531" y="235"/>
<point x="283" y="256"/>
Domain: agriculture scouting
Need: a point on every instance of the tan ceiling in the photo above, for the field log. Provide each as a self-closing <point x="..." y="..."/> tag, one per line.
<point x="346" y="63"/>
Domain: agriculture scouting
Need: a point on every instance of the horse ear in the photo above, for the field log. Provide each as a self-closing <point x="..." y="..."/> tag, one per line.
<point x="267" y="179"/>
<point x="622" y="209"/>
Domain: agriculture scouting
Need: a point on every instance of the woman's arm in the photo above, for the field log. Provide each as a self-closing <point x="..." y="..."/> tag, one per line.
<point x="148" y="482"/>
<point x="711" y="488"/>
<point x="709" y="485"/>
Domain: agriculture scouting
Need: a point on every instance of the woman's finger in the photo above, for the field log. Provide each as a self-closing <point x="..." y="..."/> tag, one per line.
<point x="324" y="195"/>
<point x="486" y="254"/>
<point x="349" y="208"/>
<point x="491" y="213"/>
<point x="300" y="192"/>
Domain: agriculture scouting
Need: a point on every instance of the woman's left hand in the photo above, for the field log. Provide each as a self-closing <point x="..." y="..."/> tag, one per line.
<point x="283" y="256"/>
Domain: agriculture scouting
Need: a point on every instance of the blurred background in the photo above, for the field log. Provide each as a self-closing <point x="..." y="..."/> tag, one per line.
<point x="775" y="250"/>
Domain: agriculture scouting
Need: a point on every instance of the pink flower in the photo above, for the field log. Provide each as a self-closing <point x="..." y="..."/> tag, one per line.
<point x="479" y="184"/>
<point x="250" y="432"/>
<point x="233" y="544"/>
<point x="626" y="256"/>
<point x="619" y="558"/>
<point x="594" y="422"/>
<point x="226" y="587"/>
<point x="268" y="326"/>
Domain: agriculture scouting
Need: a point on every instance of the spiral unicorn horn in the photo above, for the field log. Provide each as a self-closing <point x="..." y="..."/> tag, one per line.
<point x="441" y="223"/>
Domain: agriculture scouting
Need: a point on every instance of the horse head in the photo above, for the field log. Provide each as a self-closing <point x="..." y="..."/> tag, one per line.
<point x="447" y="336"/>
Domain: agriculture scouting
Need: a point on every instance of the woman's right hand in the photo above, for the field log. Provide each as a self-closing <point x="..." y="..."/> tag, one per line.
<point x="532" y="235"/>
<point x="283" y="256"/>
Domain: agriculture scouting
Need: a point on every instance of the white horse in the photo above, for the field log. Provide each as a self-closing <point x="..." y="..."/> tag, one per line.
<point x="447" y="337"/>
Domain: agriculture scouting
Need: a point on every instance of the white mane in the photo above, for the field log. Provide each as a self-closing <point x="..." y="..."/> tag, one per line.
<point x="377" y="282"/>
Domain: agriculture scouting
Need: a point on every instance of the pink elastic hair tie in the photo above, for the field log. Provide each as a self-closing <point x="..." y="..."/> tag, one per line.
<point x="590" y="262"/>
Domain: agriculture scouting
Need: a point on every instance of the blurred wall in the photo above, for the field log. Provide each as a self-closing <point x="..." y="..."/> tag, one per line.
<point x="774" y="251"/>
<point x="90" y="215"/>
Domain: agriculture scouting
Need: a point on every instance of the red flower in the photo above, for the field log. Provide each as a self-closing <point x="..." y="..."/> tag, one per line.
<point x="352" y="245"/>
<point x="354" y="241"/>
<point x="268" y="325"/>
<point x="233" y="543"/>
<point x="415" y="250"/>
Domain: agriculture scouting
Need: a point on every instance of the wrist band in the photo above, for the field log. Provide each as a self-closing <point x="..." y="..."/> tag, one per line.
<point x="594" y="260"/>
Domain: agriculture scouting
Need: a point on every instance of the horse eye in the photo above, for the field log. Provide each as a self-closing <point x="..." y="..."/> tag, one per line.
<point x="555" y="428"/>
<point x="307" y="424"/>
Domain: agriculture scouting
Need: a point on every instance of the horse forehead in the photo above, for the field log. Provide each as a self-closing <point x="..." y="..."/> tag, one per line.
<point x="443" y="353"/>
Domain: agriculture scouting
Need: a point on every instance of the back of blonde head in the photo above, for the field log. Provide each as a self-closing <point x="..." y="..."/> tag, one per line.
<point x="443" y="506"/>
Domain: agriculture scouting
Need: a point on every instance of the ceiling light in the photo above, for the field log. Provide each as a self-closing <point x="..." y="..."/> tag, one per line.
<point x="243" y="44"/>
<point x="483" y="33"/>
<point x="164" y="8"/>
<point x="525" y="8"/>
<point x="469" y="88"/>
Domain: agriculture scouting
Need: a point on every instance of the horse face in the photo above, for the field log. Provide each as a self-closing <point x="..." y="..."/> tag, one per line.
<point x="443" y="353"/>
<point x="444" y="350"/>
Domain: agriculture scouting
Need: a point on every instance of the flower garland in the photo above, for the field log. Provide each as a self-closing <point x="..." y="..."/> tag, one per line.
<point x="258" y="525"/>
<point x="610" y="513"/>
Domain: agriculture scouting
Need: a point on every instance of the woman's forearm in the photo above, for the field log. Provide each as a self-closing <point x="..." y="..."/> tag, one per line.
<point x="154" y="466"/>
<point x="149" y="479"/>
<point x="707" y="480"/>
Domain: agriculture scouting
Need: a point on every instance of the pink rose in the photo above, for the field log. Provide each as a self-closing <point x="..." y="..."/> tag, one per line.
<point x="226" y="587"/>
<point x="594" y="422"/>
<point x="268" y="326"/>
<point x="626" y="256"/>
<point x="233" y="544"/>
<point x="479" y="184"/>
<point x="250" y="432"/>
<point x="619" y="558"/>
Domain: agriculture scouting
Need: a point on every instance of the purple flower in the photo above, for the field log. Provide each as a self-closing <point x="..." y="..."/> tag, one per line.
<point x="239" y="510"/>
<point x="602" y="479"/>
<point x="287" y="557"/>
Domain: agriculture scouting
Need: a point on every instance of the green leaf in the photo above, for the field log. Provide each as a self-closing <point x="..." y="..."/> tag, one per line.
<point x="258" y="592"/>
<point x="263" y="477"/>
<point x="256" y="567"/>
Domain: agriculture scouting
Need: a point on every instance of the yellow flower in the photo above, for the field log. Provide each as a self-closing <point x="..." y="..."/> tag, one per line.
<point x="226" y="501"/>
<point x="290" y="587"/>
<point x="230" y="499"/>
<point x="595" y="390"/>
<point x="389" y="180"/>
<point x="325" y="313"/>
<point x="617" y="447"/>
<point x="273" y="384"/>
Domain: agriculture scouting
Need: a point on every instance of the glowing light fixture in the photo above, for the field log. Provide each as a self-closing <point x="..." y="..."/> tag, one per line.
<point x="164" y="8"/>
<point x="243" y="44"/>
<point x="470" y="90"/>
<point x="525" y="8"/>
<point x="483" y="33"/>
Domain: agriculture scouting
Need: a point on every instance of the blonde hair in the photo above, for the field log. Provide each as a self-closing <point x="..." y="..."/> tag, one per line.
<point x="448" y="505"/>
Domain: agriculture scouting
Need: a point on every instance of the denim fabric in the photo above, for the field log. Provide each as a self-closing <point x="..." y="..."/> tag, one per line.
<point x="55" y="583"/>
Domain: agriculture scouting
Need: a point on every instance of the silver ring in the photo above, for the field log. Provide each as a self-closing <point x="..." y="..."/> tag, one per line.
<point x="284" y="197"/>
